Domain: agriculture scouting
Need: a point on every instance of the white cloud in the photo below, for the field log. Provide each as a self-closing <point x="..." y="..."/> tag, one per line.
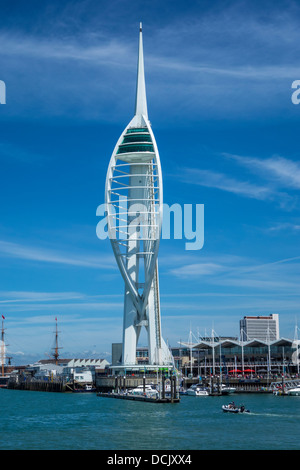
<point x="23" y="296"/>
<point x="281" y="171"/>
<point x="212" y="179"/>
<point x="277" y="175"/>
<point x="284" y="226"/>
<point x="198" y="269"/>
<point x="43" y="255"/>
<point x="185" y="59"/>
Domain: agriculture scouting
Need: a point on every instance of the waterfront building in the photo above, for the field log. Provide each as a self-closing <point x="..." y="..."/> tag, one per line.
<point x="226" y="357"/>
<point x="265" y="328"/>
<point x="134" y="202"/>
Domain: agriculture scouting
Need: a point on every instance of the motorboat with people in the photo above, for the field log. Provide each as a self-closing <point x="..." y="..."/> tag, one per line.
<point x="232" y="408"/>
<point x="197" y="390"/>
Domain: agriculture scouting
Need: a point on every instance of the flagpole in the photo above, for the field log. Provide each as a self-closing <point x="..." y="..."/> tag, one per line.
<point x="2" y="346"/>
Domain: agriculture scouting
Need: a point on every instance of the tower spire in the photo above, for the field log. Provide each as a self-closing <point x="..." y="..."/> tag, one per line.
<point x="141" y="101"/>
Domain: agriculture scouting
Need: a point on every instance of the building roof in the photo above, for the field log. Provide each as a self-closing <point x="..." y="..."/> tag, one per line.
<point x="100" y="363"/>
<point x="228" y="343"/>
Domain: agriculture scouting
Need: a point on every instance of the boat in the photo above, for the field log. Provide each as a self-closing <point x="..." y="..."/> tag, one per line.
<point x="4" y="381"/>
<point x="232" y="408"/>
<point x="86" y="388"/>
<point x="197" y="390"/>
<point x="294" y="391"/>
<point x="148" y="390"/>
<point x="279" y="392"/>
<point x="226" y="389"/>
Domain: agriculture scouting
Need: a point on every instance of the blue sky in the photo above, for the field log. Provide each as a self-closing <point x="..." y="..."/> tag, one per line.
<point x="218" y="79"/>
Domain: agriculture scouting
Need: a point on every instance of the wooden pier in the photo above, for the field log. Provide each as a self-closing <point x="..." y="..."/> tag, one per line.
<point x="124" y="396"/>
<point x="38" y="386"/>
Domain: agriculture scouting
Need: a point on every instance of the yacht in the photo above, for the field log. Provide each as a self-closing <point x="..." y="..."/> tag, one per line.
<point x="150" y="391"/>
<point x="197" y="390"/>
<point x="226" y="389"/>
<point x="294" y="391"/>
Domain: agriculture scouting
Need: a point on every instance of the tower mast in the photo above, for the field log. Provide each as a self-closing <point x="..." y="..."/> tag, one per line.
<point x="140" y="99"/>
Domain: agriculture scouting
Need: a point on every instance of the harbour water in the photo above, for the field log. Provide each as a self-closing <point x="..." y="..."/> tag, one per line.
<point x="62" y="421"/>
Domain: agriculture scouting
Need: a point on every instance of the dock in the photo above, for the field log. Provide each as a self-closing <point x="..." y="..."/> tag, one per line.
<point x="125" y="396"/>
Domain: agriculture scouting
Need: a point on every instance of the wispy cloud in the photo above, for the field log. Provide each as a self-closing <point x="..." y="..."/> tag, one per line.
<point x="281" y="171"/>
<point x="28" y="296"/>
<point x="284" y="226"/>
<point x="273" y="179"/>
<point x="43" y="255"/>
<point x="197" y="269"/>
<point x="212" y="179"/>
<point x="187" y="56"/>
<point x="280" y="275"/>
<point x="108" y="51"/>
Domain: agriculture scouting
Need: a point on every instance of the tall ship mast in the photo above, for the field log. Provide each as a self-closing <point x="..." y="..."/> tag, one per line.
<point x="56" y="347"/>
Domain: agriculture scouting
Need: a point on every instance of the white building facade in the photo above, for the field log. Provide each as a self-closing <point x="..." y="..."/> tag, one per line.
<point x="265" y="328"/>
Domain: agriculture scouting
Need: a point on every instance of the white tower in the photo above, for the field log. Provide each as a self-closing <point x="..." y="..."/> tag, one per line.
<point x="134" y="201"/>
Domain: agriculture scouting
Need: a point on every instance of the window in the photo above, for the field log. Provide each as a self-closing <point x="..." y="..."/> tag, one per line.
<point x="136" y="129"/>
<point x="135" y="148"/>
<point x="137" y="138"/>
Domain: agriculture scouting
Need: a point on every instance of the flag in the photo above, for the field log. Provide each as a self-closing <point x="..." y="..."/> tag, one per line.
<point x="3" y="317"/>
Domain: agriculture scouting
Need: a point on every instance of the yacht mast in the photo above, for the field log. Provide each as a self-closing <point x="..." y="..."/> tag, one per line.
<point x="2" y="346"/>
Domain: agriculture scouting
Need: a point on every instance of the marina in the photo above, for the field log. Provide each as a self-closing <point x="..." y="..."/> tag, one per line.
<point x="141" y="382"/>
<point x="38" y="420"/>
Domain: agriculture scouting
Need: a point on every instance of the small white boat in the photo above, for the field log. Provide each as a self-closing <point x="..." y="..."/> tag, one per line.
<point x="85" y="389"/>
<point x="197" y="391"/>
<point x="294" y="391"/>
<point x="231" y="408"/>
<point x="226" y="389"/>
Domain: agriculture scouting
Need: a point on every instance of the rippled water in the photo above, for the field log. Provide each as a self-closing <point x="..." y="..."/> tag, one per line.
<point x="48" y="421"/>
